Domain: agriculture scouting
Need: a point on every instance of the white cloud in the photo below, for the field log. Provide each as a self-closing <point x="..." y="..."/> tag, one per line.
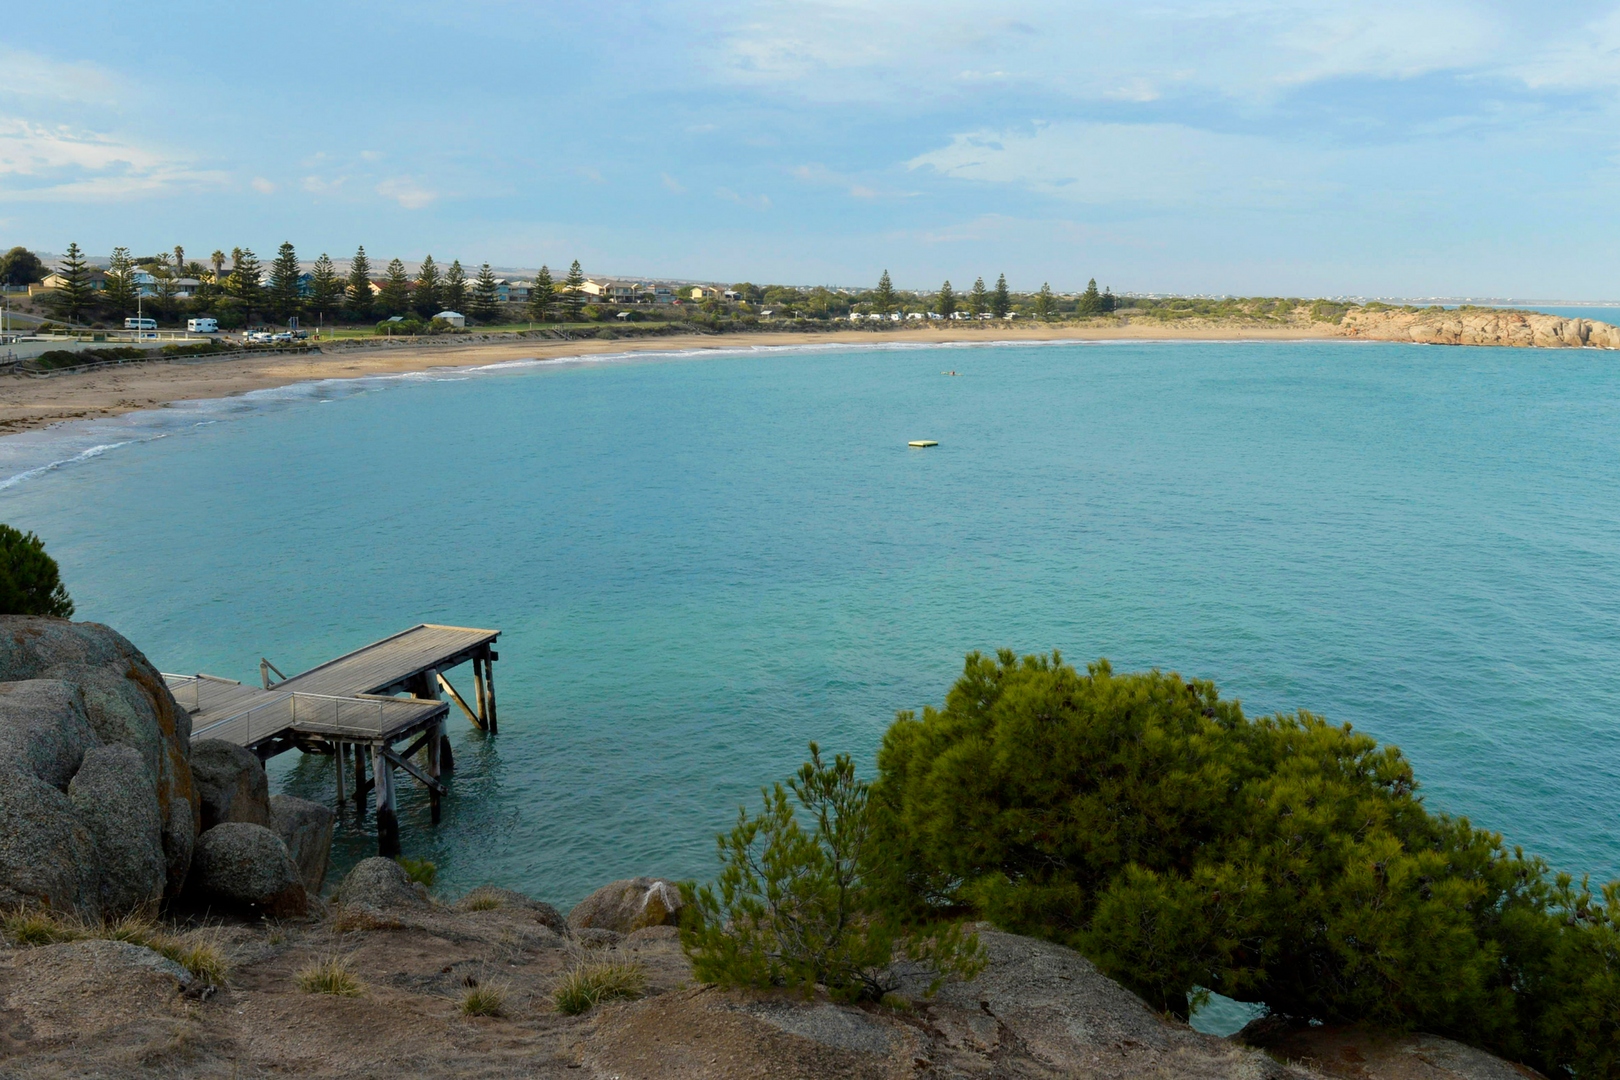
<point x="673" y="184"/>
<point x="758" y="202"/>
<point x="1590" y="57"/>
<point x="30" y="76"/>
<point x="263" y="186"/>
<point x="1244" y="50"/>
<point x="1158" y="164"/>
<point x="407" y="192"/>
<point x="1391" y="41"/>
<point x="59" y="163"/>
<point x="821" y="175"/>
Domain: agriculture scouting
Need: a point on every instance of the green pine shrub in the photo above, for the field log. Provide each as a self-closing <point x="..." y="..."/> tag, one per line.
<point x="30" y="583"/>
<point x="1182" y="845"/>
<point x="798" y="908"/>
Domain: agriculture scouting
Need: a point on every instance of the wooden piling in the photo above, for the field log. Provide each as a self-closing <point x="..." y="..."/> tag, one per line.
<point x="478" y="690"/>
<point x="435" y="737"/>
<point x="339" y="755"/>
<point x="359" y="781"/>
<point x="387" y="809"/>
<point x="489" y="690"/>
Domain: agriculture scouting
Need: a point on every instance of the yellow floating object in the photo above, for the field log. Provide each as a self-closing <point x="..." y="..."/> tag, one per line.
<point x="922" y="442"/>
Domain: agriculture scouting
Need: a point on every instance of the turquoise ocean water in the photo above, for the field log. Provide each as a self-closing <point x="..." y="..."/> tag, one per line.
<point x="699" y="564"/>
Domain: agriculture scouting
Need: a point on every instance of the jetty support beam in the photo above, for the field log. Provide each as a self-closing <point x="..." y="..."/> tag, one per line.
<point x="456" y="697"/>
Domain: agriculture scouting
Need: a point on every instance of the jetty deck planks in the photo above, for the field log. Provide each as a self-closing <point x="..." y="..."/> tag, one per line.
<point x="388" y="666"/>
<point x="348" y="705"/>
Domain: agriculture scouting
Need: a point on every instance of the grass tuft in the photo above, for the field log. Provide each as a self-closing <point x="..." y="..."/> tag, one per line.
<point x="34" y="927"/>
<point x="588" y="985"/>
<point x="482" y="902"/>
<point x="488" y="999"/>
<point x="205" y="960"/>
<point x="330" y="976"/>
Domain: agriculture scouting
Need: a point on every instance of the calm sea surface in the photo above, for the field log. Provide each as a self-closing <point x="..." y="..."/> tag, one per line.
<point x="699" y="565"/>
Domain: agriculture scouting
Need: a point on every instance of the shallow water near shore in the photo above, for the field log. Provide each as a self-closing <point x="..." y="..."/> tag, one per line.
<point x="700" y="564"/>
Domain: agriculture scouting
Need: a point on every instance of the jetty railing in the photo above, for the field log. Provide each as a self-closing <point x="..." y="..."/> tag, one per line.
<point x="272" y="712"/>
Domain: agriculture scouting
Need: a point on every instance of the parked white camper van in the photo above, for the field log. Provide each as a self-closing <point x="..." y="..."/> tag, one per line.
<point x="202" y="326"/>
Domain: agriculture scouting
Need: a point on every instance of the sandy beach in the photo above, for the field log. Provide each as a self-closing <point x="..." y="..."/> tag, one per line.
<point x="28" y="403"/>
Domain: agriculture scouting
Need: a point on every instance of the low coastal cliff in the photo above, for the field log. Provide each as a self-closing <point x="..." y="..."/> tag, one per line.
<point x="1482" y="326"/>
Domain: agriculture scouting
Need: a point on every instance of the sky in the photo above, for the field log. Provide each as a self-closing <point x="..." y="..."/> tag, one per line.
<point x="1414" y="148"/>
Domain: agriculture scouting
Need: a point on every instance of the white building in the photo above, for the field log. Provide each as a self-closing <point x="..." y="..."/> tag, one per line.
<point x="454" y="318"/>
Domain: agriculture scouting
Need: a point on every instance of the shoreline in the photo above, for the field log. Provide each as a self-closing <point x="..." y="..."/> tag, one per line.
<point x="31" y="404"/>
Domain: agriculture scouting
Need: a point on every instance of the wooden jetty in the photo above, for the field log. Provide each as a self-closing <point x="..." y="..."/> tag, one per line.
<point x="366" y="703"/>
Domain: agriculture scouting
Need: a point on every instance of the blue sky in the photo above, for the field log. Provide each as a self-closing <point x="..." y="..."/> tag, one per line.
<point x="1417" y="148"/>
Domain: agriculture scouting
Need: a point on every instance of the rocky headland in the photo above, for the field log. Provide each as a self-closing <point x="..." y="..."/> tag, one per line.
<point x="164" y="915"/>
<point x="1477" y="326"/>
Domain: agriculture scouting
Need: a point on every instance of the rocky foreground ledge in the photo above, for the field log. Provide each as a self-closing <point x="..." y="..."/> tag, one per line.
<point x="105" y="1008"/>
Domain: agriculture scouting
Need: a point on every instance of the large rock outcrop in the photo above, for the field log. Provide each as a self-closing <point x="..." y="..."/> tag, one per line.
<point x="44" y="730"/>
<point x="1358" y="1053"/>
<point x="379" y="884"/>
<point x="1038" y="1011"/>
<point x="47" y="858"/>
<point x="231" y="784"/>
<point x="495" y="898"/>
<point x="122" y="699"/>
<point x="246" y="868"/>
<point x="113" y="795"/>
<point x="306" y="828"/>
<point x="1478" y="326"/>
<point x="628" y="905"/>
<point x="47" y="855"/>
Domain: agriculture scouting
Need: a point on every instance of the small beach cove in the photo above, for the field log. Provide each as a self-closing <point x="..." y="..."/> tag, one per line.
<point x="28" y="404"/>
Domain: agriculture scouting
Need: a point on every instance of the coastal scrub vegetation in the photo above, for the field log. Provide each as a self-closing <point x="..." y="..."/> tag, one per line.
<point x="30" y="582"/>
<point x="798" y="908"/>
<point x="240" y="291"/>
<point x="1181" y="845"/>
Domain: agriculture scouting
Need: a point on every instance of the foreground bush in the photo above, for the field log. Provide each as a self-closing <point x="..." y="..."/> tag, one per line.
<point x="1181" y="845"/>
<point x="797" y="909"/>
<point x="30" y="583"/>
